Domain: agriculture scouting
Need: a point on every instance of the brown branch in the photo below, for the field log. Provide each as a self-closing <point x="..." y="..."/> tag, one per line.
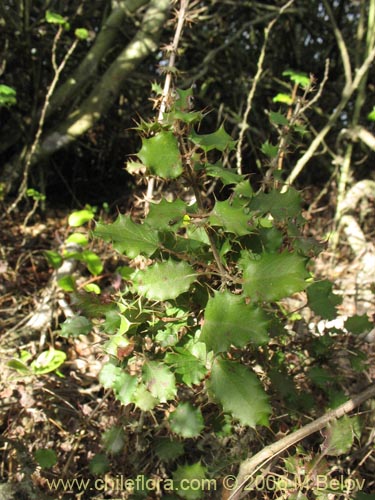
<point x="252" y="465"/>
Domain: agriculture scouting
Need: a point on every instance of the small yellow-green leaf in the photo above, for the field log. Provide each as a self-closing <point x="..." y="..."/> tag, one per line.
<point x="81" y="33"/>
<point x="80" y="217"/>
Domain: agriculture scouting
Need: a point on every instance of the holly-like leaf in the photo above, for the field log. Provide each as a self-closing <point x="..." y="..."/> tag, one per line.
<point x="75" y="326"/>
<point x="269" y="149"/>
<point x="340" y="434"/>
<point x="46" y="458"/>
<point x="299" y="77"/>
<point x="125" y="386"/>
<point x="166" y="215"/>
<point x="226" y="175"/>
<point x="193" y="475"/>
<point x="161" y="155"/>
<point x="321" y="299"/>
<point x="279" y="205"/>
<point x="109" y="374"/>
<point x="240" y="392"/>
<point x="273" y="276"/>
<point x="228" y="320"/>
<point x="191" y="369"/>
<point x="370" y="116"/>
<point x="358" y="324"/>
<point x="186" y="421"/>
<point x="164" y="280"/>
<point x="166" y="449"/>
<point x="128" y="237"/>
<point x="232" y="217"/>
<point x="278" y="118"/>
<point x="144" y="399"/>
<point x="159" y="380"/>
<point x="219" y="140"/>
<point x="114" y="439"/>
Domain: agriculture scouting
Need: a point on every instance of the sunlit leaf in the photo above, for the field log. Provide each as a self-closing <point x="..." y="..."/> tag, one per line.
<point x="8" y="96"/>
<point x="128" y="237"/>
<point x="232" y="217"/>
<point x="48" y="361"/>
<point x="186" y="421"/>
<point x="228" y="320"/>
<point x="193" y="475"/>
<point x="161" y="155"/>
<point x="54" y="258"/>
<point x="239" y="391"/>
<point x="283" y="98"/>
<point x="81" y="33"/>
<point x="144" y="399"/>
<point x="321" y="299"/>
<point x="273" y="276"/>
<point x="80" y="217"/>
<point x="159" y="380"/>
<point x="298" y="77"/>
<point x="164" y="280"/>
<point x="183" y="362"/>
<point x="219" y="140"/>
<point x="340" y="434"/>
<point x="75" y="326"/>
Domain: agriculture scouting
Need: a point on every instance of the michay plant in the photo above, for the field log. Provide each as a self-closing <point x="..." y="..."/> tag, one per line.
<point x="201" y="295"/>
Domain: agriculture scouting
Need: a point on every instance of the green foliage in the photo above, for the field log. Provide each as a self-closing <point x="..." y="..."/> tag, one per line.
<point x="45" y="458"/>
<point x="201" y="291"/>
<point x="321" y="299"/>
<point x="46" y="362"/>
<point x="8" y="96"/>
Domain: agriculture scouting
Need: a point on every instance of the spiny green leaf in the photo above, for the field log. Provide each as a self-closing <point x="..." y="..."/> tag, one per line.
<point x="273" y="276"/>
<point x="228" y="320"/>
<point x="358" y="324"/>
<point x="279" y="205"/>
<point x="144" y="399"/>
<point x="159" y="380"/>
<point x="166" y="215"/>
<point x="191" y="369"/>
<point x="186" y="475"/>
<point x="114" y="439"/>
<point x="219" y="140"/>
<point x="46" y="458"/>
<point x="109" y="374"/>
<point x="124" y="386"/>
<point x="167" y="449"/>
<point x="128" y="237"/>
<point x="269" y="149"/>
<point x="240" y="392"/>
<point x="339" y="436"/>
<point x="161" y="155"/>
<point x="232" y="216"/>
<point x="321" y="299"/>
<point x="226" y="175"/>
<point x="73" y="327"/>
<point x="164" y="280"/>
<point x="186" y="421"/>
<point x="278" y="118"/>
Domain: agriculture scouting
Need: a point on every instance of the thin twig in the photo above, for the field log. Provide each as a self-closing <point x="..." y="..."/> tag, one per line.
<point x="167" y="85"/>
<point x="254" y="85"/>
<point x="50" y="91"/>
<point x="251" y="466"/>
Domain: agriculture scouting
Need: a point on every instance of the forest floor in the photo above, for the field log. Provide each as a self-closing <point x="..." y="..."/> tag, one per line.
<point x="69" y="412"/>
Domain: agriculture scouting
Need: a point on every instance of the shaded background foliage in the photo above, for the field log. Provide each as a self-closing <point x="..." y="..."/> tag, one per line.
<point x="218" y="57"/>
